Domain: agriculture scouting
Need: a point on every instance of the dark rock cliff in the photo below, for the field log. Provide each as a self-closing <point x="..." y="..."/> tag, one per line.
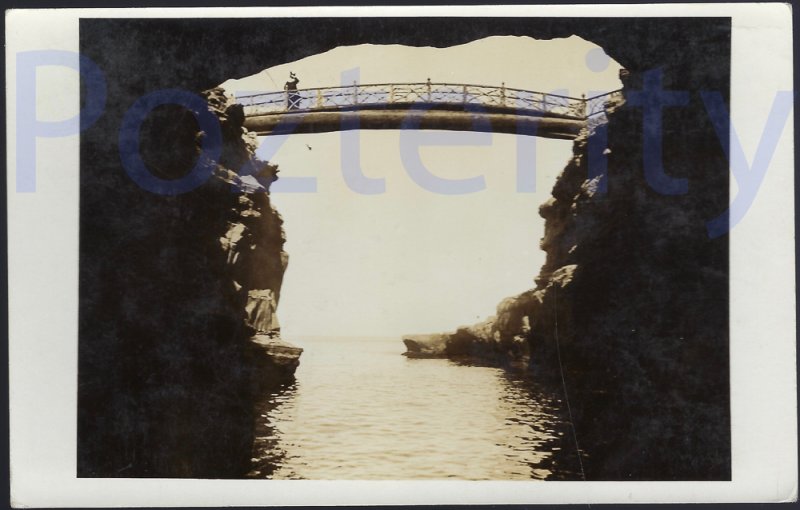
<point x="629" y="309"/>
<point x="174" y="366"/>
<point x="640" y="330"/>
<point x="631" y="304"/>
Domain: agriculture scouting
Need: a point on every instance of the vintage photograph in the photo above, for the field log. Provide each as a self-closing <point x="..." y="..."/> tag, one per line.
<point x="401" y="248"/>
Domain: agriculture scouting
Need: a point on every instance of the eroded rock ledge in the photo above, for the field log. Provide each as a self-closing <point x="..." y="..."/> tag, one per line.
<point x="253" y="245"/>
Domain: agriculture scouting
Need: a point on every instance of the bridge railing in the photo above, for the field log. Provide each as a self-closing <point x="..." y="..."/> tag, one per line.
<point x="596" y="107"/>
<point x="411" y="93"/>
<point x="591" y="110"/>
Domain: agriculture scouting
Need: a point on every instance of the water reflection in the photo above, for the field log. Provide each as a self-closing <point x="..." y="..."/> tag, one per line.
<point x="268" y="450"/>
<point x="548" y="448"/>
<point x="359" y="410"/>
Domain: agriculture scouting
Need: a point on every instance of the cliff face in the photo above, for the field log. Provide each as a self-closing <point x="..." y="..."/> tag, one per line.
<point x="640" y="331"/>
<point x="630" y="305"/>
<point x="629" y="308"/>
<point x="176" y="342"/>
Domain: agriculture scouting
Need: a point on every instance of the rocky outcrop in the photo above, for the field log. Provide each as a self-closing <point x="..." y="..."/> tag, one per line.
<point x="253" y="244"/>
<point x="498" y="340"/>
<point x="629" y="310"/>
<point x="179" y="304"/>
<point x="272" y="360"/>
<point x="639" y="331"/>
<point x="426" y="346"/>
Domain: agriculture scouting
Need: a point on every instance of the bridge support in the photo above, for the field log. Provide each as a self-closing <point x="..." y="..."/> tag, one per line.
<point x="491" y="122"/>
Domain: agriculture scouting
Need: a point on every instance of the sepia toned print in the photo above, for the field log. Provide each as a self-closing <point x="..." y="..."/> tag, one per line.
<point x="405" y="248"/>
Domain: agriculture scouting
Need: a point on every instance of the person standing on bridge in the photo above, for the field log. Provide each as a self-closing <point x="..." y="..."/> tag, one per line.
<point x="292" y="97"/>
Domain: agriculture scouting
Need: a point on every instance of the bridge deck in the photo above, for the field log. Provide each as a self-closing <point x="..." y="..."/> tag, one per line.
<point x="426" y="105"/>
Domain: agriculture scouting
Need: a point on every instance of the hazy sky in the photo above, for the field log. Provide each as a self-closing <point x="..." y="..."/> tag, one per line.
<point x="409" y="260"/>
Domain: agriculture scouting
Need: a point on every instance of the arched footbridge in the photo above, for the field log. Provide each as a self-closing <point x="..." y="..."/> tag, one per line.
<point x="448" y="106"/>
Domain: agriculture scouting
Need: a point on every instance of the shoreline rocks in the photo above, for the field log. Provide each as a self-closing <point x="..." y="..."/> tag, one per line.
<point x="498" y="340"/>
<point x="272" y="360"/>
<point x="425" y="346"/>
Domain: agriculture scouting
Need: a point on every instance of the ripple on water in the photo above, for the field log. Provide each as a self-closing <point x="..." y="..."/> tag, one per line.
<point x="360" y="410"/>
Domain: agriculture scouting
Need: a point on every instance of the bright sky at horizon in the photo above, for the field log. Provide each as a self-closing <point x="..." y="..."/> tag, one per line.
<point x="409" y="260"/>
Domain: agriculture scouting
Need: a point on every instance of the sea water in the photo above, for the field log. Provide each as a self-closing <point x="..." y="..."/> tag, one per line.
<point x="358" y="409"/>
